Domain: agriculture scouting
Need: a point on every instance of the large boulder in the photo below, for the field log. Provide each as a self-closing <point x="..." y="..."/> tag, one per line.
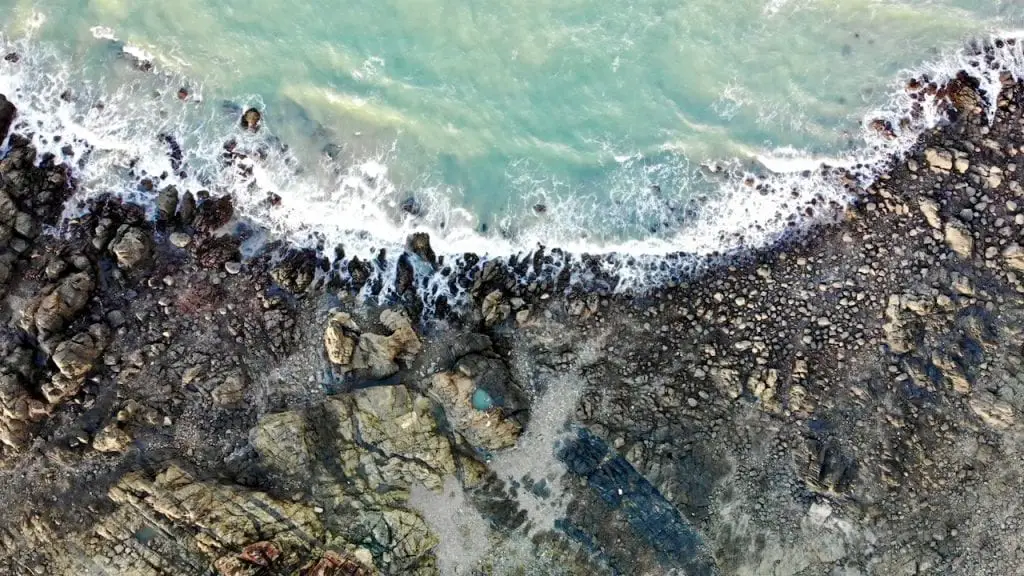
<point x="130" y="246"/>
<point x="419" y="244"/>
<point x="340" y="338"/>
<point x="59" y="304"/>
<point x="76" y="356"/>
<point x="214" y="213"/>
<point x="375" y="355"/>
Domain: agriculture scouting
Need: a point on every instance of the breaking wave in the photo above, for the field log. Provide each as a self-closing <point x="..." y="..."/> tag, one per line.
<point x="137" y="128"/>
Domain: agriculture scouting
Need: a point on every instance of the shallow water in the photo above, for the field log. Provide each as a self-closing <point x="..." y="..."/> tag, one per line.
<point x="578" y="123"/>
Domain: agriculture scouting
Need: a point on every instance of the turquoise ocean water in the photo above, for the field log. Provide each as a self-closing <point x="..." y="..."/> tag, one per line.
<point x="593" y="125"/>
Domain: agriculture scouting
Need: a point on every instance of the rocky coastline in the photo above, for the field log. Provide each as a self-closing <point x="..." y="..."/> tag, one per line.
<point x="845" y="402"/>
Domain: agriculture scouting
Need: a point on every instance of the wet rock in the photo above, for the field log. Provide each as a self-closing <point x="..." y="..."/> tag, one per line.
<point x="419" y="244"/>
<point x="7" y="114"/>
<point x="251" y="120"/>
<point x="340" y="338"/>
<point x="213" y="214"/>
<point x="296" y="271"/>
<point x="111" y="439"/>
<point x="130" y="247"/>
<point x="167" y="204"/>
<point x="494" y="308"/>
<point x="359" y="272"/>
<point x="187" y="208"/>
<point x="214" y="252"/>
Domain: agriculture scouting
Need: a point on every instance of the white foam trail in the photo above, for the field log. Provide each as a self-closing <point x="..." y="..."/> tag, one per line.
<point x="358" y="208"/>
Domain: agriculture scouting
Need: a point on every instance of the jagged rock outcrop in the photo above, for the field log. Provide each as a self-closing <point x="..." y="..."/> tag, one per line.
<point x="375" y="355"/>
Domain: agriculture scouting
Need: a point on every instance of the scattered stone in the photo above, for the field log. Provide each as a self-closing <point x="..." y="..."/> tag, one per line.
<point x="938" y="159"/>
<point x="959" y="239"/>
<point x="111" y="439"/>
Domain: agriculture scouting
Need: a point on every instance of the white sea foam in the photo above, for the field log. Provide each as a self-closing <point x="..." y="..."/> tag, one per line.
<point x="358" y="207"/>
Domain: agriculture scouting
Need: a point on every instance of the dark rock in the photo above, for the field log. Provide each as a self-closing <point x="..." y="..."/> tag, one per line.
<point x="405" y="277"/>
<point x="296" y="270"/>
<point x="214" y="213"/>
<point x="7" y="114"/>
<point x="187" y="208"/>
<point x="167" y="203"/>
<point x="214" y="252"/>
<point x="419" y="244"/>
<point x="359" y="271"/>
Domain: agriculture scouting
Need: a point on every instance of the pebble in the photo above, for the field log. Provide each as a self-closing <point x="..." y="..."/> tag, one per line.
<point x="233" y="267"/>
<point x="692" y="402"/>
<point x="180" y="239"/>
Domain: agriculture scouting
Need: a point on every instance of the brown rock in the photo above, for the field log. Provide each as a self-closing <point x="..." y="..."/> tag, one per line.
<point x="111" y="439"/>
<point x="340" y="338"/>
<point x="251" y="119"/>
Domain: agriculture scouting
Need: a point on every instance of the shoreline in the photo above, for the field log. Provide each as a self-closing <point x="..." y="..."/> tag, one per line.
<point x="843" y="402"/>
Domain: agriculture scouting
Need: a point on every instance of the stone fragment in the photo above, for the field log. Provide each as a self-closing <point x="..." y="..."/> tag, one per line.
<point x="930" y="209"/>
<point x="111" y="439"/>
<point x="939" y="159"/>
<point x="959" y="239"/>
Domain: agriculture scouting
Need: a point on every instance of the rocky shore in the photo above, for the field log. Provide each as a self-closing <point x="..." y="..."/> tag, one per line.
<point x="843" y="403"/>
